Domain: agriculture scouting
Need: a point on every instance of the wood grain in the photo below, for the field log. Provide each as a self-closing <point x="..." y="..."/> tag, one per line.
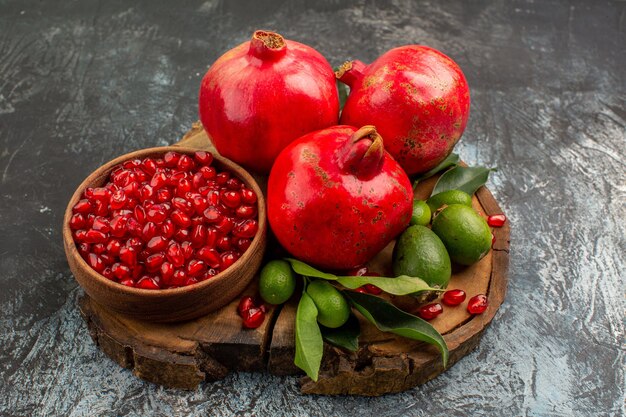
<point x="209" y="347"/>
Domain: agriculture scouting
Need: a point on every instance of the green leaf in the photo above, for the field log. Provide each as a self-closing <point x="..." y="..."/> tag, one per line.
<point x="389" y="318"/>
<point x="308" y="271"/>
<point x="467" y="179"/>
<point x="343" y="91"/>
<point x="346" y="336"/>
<point x="309" y="343"/>
<point x="452" y="160"/>
<point x="401" y="285"/>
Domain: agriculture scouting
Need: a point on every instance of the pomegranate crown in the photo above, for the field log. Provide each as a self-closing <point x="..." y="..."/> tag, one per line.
<point x="363" y="154"/>
<point x="267" y="45"/>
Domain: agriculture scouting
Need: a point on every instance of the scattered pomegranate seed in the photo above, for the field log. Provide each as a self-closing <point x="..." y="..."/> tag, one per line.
<point x="496" y="220"/>
<point x="361" y="290"/>
<point x="477" y="304"/>
<point x="165" y="222"/>
<point x="245" y="304"/>
<point x="453" y="297"/>
<point x="372" y="289"/>
<point x="253" y="318"/>
<point x="430" y="311"/>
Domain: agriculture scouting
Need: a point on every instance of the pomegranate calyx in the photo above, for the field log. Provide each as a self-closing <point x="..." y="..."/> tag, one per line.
<point x="267" y="46"/>
<point x="363" y="155"/>
<point x="350" y="72"/>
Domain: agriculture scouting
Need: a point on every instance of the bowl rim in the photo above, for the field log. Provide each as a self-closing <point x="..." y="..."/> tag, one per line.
<point x="102" y="173"/>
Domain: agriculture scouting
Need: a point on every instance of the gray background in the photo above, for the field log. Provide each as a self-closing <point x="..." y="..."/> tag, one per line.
<point x="84" y="81"/>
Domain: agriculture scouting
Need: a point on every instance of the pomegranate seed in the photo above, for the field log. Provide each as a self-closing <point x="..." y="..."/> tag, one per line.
<point x="195" y="268"/>
<point x="113" y="247"/>
<point x="171" y="159"/>
<point x="430" y="311"/>
<point x="253" y="318"/>
<point x="231" y="199"/>
<point x="203" y="158"/>
<point x="157" y="244"/>
<point x="186" y="249"/>
<point x="175" y="255"/>
<point x="199" y="204"/>
<point x="107" y="273"/>
<point x="243" y="244"/>
<point x="246" y="229"/>
<point x="168" y="229"/>
<point x="101" y="208"/>
<point x="95" y="262"/>
<point x="179" y="278"/>
<point x="182" y="205"/>
<point x="80" y="236"/>
<point x="140" y="214"/>
<point x="149" y="166"/>
<point x="224" y="243"/>
<point x="228" y="258"/>
<point x="134" y="243"/>
<point x="98" y="248"/>
<point x="153" y="262"/>
<point x="84" y="249"/>
<point x="180" y="219"/>
<point x="146" y="192"/>
<point x="101" y="193"/>
<point x="128" y="282"/>
<point x="210" y="256"/>
<point x="212" y="235"/>
<point x="198" y="235"/>
<point x="185" y="163"/>
<point x="120" y="271"/>
<point x="233" y="184"/>
<point x="213" y="215"/>
<point x="248" y="196"/>
<point x="222" y="177"/>
<point x="118" y="200"/>
<point x="453" y="297"/>
<point x="149" y="231"/>
<point x="477" y="304"/>
<point x="245" y="211"/>
<point x="134" y="227"/>
<point x="245" y="304"/>
<point x="163" y="195"/>
<point x="77" y="221"/>
<point x="183" y="187"/>
<point x="358" y="272"/>
<point x="132" y="189"/>
<point x="372" y="289"/>
<point x="208" y="172"/>
<point x="181" y="235"/>
<point x="156" y="214"/>
<point x="128" y="255"/>
<point x="496" y="220"/>
<point x="101" y="224"/>
<point x="95" y="236"/>
<point x="118" y="226"/>
<point x="361" y="290"/>
<point x="147" y="283"/>
<point x="209" y="274"/>
<point x="158" y="180"/>
<point x="167" y="271"/>
<point x="82" y="207"/>
<point x="225" y="225"/>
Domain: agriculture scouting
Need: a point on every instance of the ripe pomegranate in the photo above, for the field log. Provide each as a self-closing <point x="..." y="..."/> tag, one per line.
<point x="417" y="98"/>
<point x="158" y="222"/>
<point x="263" y="94"/>
<point x="336" y="198"/>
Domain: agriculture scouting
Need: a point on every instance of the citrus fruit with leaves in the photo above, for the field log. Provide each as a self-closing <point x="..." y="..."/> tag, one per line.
<point x="277" y="282"/>
<point x="333" y="309"/>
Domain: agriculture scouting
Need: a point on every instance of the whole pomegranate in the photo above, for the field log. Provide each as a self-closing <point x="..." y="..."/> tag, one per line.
<point x="261" y="95"/>
<point x="336" y="198"/>
<point x="418" y="99"/>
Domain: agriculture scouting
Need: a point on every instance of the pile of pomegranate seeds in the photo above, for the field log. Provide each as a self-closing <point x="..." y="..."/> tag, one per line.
<point x="165" y="222"/>
<point x="252" y="315"/>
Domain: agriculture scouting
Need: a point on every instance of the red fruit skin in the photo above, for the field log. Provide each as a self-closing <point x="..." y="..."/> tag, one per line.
<point x="417" y="98"/>
<point x="327" y="216"/>
<point x="255" y="99"/>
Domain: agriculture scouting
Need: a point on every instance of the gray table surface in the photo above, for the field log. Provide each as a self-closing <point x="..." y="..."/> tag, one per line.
<point x="84" y="81"/>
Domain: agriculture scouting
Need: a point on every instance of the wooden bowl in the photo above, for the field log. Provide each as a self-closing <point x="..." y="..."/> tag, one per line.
<point x="176" y="304"/>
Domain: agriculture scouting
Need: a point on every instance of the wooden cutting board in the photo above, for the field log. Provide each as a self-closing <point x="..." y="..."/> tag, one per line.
<point x="183" y="355"/>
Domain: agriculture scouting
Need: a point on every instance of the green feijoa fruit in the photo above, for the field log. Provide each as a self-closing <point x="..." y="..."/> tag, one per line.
<point x="277" y="282"/>
<point x="420" y="253"/>
<point x="449" y="197"/>
<point x="465" y="234"/>
<point x="421" y="213"/>
<point x="333" y="309"/>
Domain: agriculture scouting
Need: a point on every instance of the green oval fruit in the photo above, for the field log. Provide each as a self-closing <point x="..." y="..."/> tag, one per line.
<point x="448" y="198"/>
<point x="277" y="282"/>
<point x="420" y="253"/>
<point x="464" y="232"/>
<point x="332" y="308"/>
<point x="421" y="213"/>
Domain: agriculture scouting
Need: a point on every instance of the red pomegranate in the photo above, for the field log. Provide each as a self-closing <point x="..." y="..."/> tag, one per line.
<point x="263" y="94"/>
<point x="336" y="198"/>
<point x="418" y="99"/>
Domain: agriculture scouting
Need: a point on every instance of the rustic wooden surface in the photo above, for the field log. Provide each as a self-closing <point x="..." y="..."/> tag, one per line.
<point x="82" y="82"/>
<point x="209" y="347"/>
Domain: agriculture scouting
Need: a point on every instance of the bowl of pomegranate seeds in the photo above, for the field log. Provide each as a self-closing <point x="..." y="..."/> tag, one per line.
<point x="165" y="234"/>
